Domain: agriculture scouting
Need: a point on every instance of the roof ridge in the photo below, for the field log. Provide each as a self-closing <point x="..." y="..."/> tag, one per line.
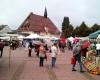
<point x="37" y="23"/>
<point x="39" y="15"/>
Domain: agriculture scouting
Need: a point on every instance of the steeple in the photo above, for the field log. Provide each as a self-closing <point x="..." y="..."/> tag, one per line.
<point x="45" y="13"/>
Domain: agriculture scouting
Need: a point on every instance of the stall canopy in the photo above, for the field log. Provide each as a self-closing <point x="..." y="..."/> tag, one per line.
<point x="21" y="37"/>
<point x="46" y="37"/>
<point x="5" y="38"/>
<point x="98" y="36"/>
<point x="32" y="36"/>
<point x="54" y="38"/>
<point x="94" y="35"/>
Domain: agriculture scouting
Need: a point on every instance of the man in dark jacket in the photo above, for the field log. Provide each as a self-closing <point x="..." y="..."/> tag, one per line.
<point x="1" y="47"/>
<point x="30" y="46"/>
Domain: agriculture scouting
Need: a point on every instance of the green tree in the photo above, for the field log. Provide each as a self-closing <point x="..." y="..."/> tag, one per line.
<point x="67" y="28"/>
<point x="71" y="28"/>
<point x="84" y="30"/>
<point x="76" y="31"/>
<point x="95" y="27"/>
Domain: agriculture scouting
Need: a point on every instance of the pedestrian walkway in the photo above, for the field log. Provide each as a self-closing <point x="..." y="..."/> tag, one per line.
<point x="23" y="67"/>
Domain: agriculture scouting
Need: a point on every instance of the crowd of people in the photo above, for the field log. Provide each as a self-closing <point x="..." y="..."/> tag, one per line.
<point x="43" y="46"/>
<point x="41" y="50"/>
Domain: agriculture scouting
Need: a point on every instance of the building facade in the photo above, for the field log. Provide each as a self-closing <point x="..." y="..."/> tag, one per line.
<point x="38" y="24"/>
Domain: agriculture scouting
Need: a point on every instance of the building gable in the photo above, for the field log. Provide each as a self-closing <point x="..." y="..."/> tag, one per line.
<point x="37" y="23"/>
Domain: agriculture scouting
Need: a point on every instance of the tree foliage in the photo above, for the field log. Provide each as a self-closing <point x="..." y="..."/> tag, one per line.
<point x="80" y="31"/>
<point x="83" y="30"/>
<point x="67" y="28"/>
<point x="95" y="27"/>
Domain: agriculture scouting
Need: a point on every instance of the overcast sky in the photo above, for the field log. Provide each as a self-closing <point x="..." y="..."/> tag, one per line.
<point x="14" y="12"/>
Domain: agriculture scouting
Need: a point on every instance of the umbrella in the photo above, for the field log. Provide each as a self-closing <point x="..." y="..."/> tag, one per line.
<point x="76" y="39"/>
<point x="71" y="39"/>
<point x="85" y="44"/>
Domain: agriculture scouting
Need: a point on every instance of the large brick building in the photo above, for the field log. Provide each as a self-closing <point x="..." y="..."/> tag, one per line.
<point x="38" y="24"/>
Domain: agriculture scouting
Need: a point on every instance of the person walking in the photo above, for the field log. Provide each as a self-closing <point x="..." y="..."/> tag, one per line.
<point x="54" y="52"/>
<point x="77" y="55"/>
<point x="42" y="54"/>
<point x="1" y="47"/>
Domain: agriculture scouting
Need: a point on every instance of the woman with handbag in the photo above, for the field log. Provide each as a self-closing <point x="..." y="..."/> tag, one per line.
<point x="77" y="55"/>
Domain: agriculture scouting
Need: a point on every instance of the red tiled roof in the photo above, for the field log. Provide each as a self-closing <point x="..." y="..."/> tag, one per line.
<point x="37" y="23"/>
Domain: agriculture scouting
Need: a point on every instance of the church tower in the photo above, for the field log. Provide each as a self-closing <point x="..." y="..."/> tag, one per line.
<point x="45" y="13"/>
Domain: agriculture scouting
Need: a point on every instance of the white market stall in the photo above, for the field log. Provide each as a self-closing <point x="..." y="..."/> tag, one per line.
<point x="46" y="37"/>
<point x="54" y="38"/>
<point x="32" y="36"/>
<point x="5" y="38"/>
<point x="20" y="37"/>
<point x="98" y="38"/>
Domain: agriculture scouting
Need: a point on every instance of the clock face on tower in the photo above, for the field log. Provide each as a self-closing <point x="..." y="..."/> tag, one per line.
<point x="46" y="29"/>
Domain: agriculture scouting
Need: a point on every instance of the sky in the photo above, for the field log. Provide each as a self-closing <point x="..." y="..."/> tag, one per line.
<point x="14" y="12"/>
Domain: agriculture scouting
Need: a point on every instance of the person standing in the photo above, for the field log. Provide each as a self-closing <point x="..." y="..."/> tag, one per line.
<point x="1" y="47"/>
<point x="54" y="52"/>
<point x="36" y="47"/>
<point x="42" y="54"/>
<point x="30" y="46"/>
<point x="98" y="49"/>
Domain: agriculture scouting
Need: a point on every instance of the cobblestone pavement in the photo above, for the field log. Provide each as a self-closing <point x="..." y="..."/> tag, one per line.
<point x="18" y="66"/>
